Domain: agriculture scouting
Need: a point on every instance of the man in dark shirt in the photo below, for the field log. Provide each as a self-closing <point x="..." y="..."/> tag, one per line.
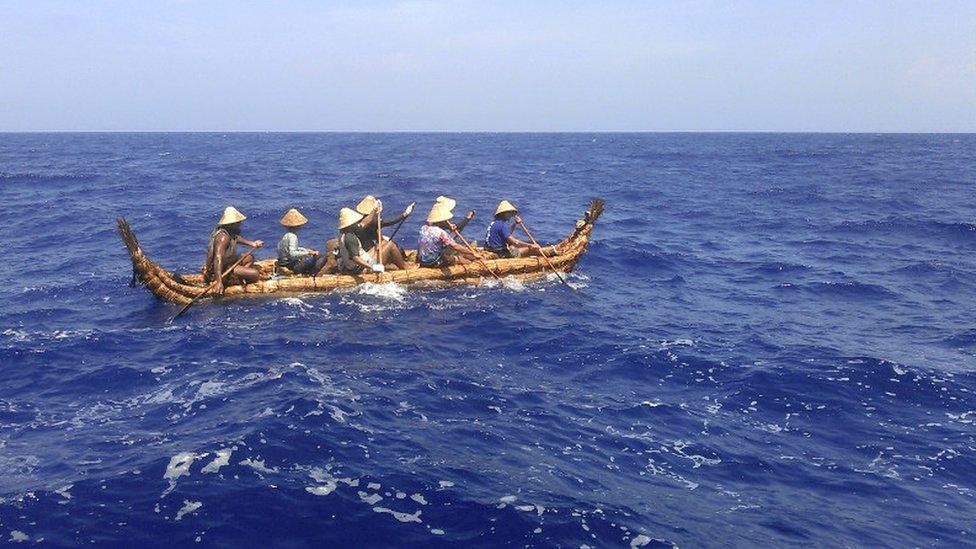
<point x="222" y="252"/>
<point x="500" y="238"/>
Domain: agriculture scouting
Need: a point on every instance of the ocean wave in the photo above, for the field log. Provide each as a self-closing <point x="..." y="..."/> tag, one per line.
<point x="846" y="289"/>
<point x="956" y="231"/>
<point x="44" y="178"/>
<point x="777" y="268"/>
<point x="965" y="339"/>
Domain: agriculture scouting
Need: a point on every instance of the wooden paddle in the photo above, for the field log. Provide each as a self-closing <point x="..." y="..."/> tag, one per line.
<point x="212" y="284"/>
<point x="379" y="234"/>
<point x="542" y="253"/>
<point x="379" y="239"/>
<point x="476" y="254"/>
<point x="400" y="224"/>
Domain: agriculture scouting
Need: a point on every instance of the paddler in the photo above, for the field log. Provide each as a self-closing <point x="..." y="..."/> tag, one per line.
<point x="500" y="236"/>
<point x="222" y="252"/>
<point x="353" y="259"/>
<point x="297" y="259"/>
<point x="371" y="209"/>
<point x="436" y="247"/>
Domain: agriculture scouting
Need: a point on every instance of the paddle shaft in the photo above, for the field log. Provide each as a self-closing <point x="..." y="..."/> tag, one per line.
<point x="397" y="229"/>
<point x="485" y="265"/>
<point x="543" y="254"/>
<point x="212" y="284"/>
<point x="379" y="235"/>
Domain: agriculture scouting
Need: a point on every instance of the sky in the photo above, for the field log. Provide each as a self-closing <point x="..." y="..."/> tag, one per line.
<point x="305" y="65"/>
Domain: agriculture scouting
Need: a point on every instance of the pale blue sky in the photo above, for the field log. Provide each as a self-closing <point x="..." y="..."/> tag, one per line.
<point x="492" y="65"/>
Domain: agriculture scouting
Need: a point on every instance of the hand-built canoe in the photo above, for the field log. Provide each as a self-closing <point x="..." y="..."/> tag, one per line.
<point x="182" y="288"/>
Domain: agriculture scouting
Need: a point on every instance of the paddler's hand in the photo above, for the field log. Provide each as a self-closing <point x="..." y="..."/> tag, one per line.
<point x="518" y="220"/>
<point x="313" y="252"/>
<point x="409" y="209"/>
<point x="469" y="215"/>
<point x="258" y="243"/>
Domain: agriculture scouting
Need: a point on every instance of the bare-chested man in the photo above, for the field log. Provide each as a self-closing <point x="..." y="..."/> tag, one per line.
<point x="222" y="252"/>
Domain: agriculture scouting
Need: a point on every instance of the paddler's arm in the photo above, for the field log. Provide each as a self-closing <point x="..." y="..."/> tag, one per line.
<point x="463" y="250"/>
<point x="362" y="263"/>
<point x="218" y="263"/>
<point x="251" y="243"/>
<point x="511" y="240"/>
<point x="459" y="248"/>
<point x="398" y="218"/>
<point x="464" y="222"/>
<point x="354" y="250"/>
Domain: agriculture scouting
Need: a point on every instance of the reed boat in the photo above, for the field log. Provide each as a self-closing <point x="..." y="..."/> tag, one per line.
<point x="183" y="288"/>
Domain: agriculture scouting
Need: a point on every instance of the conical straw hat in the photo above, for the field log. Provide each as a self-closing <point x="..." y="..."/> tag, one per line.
<point x="448" y="202"/>
<point x="231" y="216"/>
<point x="347" y="217"/>
<point x="293" y="218"/>
<point x="505" y="206"/>
<point x="441" y="211"/>
<point x="367" y="205"/>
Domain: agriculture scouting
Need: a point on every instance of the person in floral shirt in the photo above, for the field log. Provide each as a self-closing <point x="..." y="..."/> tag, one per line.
<point x="435" y="247"/>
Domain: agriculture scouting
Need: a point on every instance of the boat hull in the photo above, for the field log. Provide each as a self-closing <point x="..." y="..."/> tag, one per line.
<point x="176" y="288"/>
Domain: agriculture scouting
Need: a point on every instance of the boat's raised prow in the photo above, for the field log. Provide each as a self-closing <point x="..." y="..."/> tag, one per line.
<point x="176" y="288"/>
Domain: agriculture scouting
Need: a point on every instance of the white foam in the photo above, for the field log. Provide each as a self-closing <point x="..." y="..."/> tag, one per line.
<point x="323" y="490"/>
<point x="222" y="459"/>
<point x="370" y="499"/>
<point x="208" y="389"/>
<point x="63" y="492"/>
<point x="179" y="465"/>
<point x="374" y="486"/>
<point x="513" y="284"/>
<point x="16" y="536"/>
<point x="437" y="531"/>
<point x="17" y="335"/>
<point x="419" y="499"/>
<point x="402" y="517"/>
<point x="296" y="302"/>
<point x="640" y="541"/>
<point x="188" y="507"/>
<point x="258" y="465"/>
<point x="681" y="342"/>
<point x="328" y="482"/>
<point x="385" y="290"/>
<point x="507" y="499"/>
<point x="445" y="483"/>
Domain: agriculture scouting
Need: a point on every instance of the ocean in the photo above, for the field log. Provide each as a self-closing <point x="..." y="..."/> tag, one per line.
<point x="770" y="342"/>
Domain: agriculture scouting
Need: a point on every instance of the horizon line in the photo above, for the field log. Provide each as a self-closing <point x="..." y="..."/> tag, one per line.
<point x="854" y="132"/>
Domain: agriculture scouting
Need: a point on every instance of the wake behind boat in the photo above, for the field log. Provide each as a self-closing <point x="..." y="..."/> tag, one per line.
<point x="185" y="288"/>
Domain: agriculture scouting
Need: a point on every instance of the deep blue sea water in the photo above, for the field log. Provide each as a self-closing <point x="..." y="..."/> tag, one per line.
<point x="772" y="344"/>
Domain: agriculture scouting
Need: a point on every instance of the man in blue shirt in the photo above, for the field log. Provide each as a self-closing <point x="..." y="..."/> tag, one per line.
<point x="500" y="240"/>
